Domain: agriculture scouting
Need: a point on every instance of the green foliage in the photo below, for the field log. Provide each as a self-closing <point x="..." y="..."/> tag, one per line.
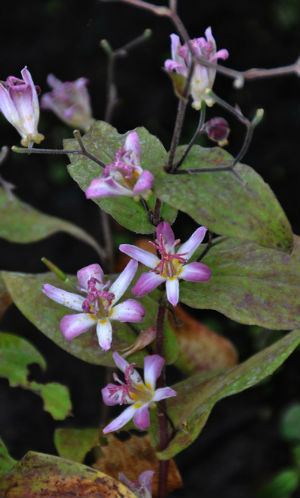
<point x="290" y="423"/>
<point x="103" y="141"/>
<point x="6" y="461"/>
<point x="45" y="314"/>
<point x="221" y="202"/>
<point x="250" y="284"/>
<point x="23" y="224"/>
<point x="15" y="356"/>
<point x="74" y="444"/>
<point x="197" y="395"/>
<point x="282" y="485"/>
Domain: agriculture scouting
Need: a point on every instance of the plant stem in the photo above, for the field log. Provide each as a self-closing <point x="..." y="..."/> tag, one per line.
<point x="24" y="150"/>
<point x="163" y="422"/>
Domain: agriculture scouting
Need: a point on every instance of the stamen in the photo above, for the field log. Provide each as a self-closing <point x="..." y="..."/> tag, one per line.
<point x="166" y="265"/>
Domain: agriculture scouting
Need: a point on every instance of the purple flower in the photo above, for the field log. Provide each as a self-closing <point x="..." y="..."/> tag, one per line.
<point x="99" y="306"/>
<point x="70" y="101"/>
<point x="203" y="77"/>
<point x="143" y="487"/>
<point x="217" y="129"/>
<point x="125" y="175"/>
<point x="19" y="104"/>
<point x="134" y="392"/>
<point x="170" y="267"/>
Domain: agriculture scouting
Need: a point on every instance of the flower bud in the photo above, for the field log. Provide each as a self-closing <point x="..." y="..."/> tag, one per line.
<point x="70" y="101"/>
<point x="217" y="129"/>
<point x="19" y="104"/>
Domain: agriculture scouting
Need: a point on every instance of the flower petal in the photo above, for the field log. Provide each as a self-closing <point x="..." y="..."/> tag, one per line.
<point x="172" y="287"/>
<point x="121" y="420"/>
<point x="145" y="480"/>
<point x="104" y="334"/>
<point x="124" y="280"/>
<point x="132" y="144"/>
<point x="141" y="418"/>
<point x="165" y="230"/>
<point x="112" y="396"/>
<point x="163" y="393"/>
<point x="144" y="257"/>
<point x="122" y="364"/>
<point x="190" y="246"/>
<point x="128" y="311"/>
<point x="88" y="272"/>
<point x="144" y="182"/>
<point x="72" y="301"/>
<point x="196" y="272"/>
<point x="105" y="187"/>
<point x="74" y="325"/>
<point x="146" y="283"/>
<point x="153" y="366"/>
<point x="221" y="54"/>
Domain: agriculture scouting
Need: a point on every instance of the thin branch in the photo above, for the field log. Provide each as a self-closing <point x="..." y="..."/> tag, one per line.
<point x="24" y="150"/>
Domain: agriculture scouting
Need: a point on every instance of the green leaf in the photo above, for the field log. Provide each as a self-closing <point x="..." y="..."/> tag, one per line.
<point x="45" y="314"/>
<point x="219" y="200"/>
<point x="282" y="485"/>
<point x="5" y="299"/>
<point x="39" y="475"/>
<point x="103" y="141"/>
<point x="197" y="395"/>
<point x="249" y="284"/>
<point x="290" y="423"/>
<point x="15" y="356"/>
<point x="6" y="461"/>
<point x="23" y="224"/>
<point x="74" y="444"/>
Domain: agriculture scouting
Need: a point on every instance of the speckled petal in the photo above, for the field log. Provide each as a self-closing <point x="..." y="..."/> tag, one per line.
<point x="146" y="283"/>
<point x="74" y="325"/>
<point x="128" y="311"/>
<point x="123" y="281"/>
<point x="195" y="272"/>
<point x="88" y="272"/>
<point x="104" y="334"/>
<point x="190" y="246"/>
<point x="72" y="301"/>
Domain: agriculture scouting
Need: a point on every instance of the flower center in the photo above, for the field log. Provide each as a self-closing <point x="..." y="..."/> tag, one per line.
<point x="171" y="263"/>
<point x="131" y="389"/>
<point x="98" y="301"/>
<point x="123" y="169"/>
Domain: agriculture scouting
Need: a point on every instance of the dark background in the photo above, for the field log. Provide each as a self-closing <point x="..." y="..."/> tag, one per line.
<point x="240" y="447"/>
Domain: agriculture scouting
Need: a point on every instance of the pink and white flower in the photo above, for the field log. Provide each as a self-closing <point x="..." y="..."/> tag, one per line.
<point x="138" y="394"/>
<point x="203" y="77"/>
<point x="124" y="176"/>
<point x="99" y="307"/>
<point x="143" y="487"/>
<point x="70" y="101"/>
<point x="20" y="105"/>
<point x="171" y="266"/>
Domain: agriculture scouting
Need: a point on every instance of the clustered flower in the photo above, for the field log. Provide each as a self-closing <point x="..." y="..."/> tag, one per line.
<point x="203" y="77"/>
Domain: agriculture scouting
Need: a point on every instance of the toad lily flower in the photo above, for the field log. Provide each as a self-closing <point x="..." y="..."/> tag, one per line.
<point x="70" y="102"/>
<point x="143" y="487"/>
<point x="125" y="175"/>
<point x="99" y="307"/>
<point x="19" y="104"/>
<point x="203" y="77"/>
<point x="170" y="267"/>
<point x="134" y="392"/>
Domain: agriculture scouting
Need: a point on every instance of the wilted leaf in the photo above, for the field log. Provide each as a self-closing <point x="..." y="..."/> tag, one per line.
<point x="15" y="355"/>
<point x="38" y="475"/>
<point x="45" y="314"/>
<point x="199" y="347"/>
<point x="249" y="284"/>
<point x="143" y="339"/>
<point x="219" y="200"/>
<point x="131" y="457"/>
<point x="22" y="223"/>
<point x="103" y="141"/>
<point x="6" y="461"/>
<point x="5" y="299"/>
<point x="197" y="395"/>
<point x="74" y="444"/>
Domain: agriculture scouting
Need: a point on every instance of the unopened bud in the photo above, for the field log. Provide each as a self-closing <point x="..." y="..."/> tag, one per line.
<point x="217" y="129"/>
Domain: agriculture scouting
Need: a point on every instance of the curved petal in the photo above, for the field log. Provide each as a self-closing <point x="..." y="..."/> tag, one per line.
<point x="113" y="395"/>
<point x="163" y="393"/>
<point x="146" y="283"/>
<point x="104" y="334"/>
<point x="121" y="420"/>
<point x="172" y="287"/>
<point x="153" y="366"/>
<point x="196" y="272"/>
<point x="128" y="311"/>
<point x="165" y="230"/>
<point x="132" y="144"/>
<point x="88" y="272"/>
<point x="34" y="98"/>
<point x="171" y="65"/>
<point x="144" y="182"/>
<point x="145" y="480"/>
<point x="141" y="418"/>
<point x="122" y="364"/>
<point x="221" y="54"/>
<point x="124" y="280"/>
<point x="105" y="187"/>
<point x="175" y="46"/>
<point x="190" y="246"/>
<point x="72" y="301"/>
<point x="144" y="257"/>
<point x="74" y="325"/>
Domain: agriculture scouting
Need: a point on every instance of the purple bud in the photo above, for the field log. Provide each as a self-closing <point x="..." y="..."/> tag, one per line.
<point x="217" y="129"/>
